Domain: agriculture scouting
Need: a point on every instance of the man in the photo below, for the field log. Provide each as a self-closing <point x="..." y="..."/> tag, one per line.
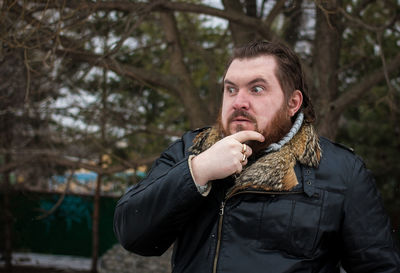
<point x="259" y="191"/>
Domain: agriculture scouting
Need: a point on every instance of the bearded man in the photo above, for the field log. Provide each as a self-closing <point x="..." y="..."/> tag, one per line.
<point x="259" y="191"/>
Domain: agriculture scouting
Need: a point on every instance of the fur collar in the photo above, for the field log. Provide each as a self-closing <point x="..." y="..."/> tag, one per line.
<point x="273" y="171"/>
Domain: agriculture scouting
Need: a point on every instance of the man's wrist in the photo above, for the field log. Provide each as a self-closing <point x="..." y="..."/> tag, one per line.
<point x="203" y="189"/>
<point x="197" y="175"/>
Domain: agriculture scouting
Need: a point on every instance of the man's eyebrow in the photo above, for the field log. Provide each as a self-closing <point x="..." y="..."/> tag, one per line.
<point x="229" y="82"/>
<point x="257" y="80"/>
<point x="249" y="83"/>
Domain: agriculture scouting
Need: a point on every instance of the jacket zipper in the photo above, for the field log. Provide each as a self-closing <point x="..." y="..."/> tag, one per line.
<point x="221" y="217"/>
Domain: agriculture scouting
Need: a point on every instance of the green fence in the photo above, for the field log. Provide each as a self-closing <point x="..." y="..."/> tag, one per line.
<point x="67" y="231"/>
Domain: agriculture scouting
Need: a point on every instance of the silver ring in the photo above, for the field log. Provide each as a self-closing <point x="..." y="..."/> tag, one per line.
<point x="243" y="158"/>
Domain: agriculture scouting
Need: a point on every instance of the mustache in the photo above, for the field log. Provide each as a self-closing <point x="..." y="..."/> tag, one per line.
<point x="241" y="113"/>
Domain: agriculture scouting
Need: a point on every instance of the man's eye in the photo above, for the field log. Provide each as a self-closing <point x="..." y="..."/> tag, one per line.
<point x="230" y="89"/>
<point x="258" y="89"/>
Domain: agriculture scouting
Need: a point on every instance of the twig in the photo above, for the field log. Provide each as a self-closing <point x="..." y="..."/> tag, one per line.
<point x="28" y="76"/>
<point x="360" y="23"/>
<point x="391" y="101"/>
<point x="59" y="201"/>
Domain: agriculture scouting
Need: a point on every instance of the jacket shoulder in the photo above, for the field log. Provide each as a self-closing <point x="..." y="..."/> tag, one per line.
<point x="339" y="155"/>
<point x="190" y="135"/>
<point x="340" y="166"/>
<point x="329" y="145"/>
<point x="182" y="145"/>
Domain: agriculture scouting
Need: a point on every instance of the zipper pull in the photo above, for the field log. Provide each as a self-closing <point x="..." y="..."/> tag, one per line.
<point x="221" y="209"/>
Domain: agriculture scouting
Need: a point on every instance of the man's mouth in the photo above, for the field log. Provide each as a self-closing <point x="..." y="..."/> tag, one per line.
<point x="241" y="119"/>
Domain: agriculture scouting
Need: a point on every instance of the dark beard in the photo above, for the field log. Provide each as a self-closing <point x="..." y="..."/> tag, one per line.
<point x="273" y="132"/>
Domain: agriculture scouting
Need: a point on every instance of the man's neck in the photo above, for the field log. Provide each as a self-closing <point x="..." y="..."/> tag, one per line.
<point x="292" y="132"/>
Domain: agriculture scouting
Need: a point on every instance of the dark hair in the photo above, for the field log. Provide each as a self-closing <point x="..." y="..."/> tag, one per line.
<point x="289" y="71"/>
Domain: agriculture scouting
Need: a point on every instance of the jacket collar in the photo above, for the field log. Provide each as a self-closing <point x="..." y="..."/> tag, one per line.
<point x="273" y="171"/>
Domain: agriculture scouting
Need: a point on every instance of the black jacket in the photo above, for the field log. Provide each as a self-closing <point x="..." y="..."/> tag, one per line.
<point x="334" y="215"/>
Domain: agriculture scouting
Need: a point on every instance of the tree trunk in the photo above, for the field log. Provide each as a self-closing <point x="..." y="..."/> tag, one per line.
<point x="326" y="62"/>
<point x="96" y="199"/>
<point x="292" y="24"/>
<point x="95" y="225"/>
<point x="193" y="104"/>
<point x="241" y="35"/>
<point x="8" y="218"/>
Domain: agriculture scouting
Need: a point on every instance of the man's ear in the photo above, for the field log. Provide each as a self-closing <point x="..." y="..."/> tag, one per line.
<point x="294" y="102"/>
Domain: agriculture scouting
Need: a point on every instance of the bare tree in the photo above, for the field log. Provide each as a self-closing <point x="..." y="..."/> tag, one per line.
<point x="164" y="62"/>
<point x="320" y="28"/>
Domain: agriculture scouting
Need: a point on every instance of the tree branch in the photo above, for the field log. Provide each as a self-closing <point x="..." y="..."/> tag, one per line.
<point x="156" y="131"/>
<point x="366" y="83"/>
<point x="59" y="201"/>
<point x="361" y="5"/>
<point x="276" y="10"/>
<point x="236" y="17"/>
<point x="366" y="26"/>
<point x="149" y="78"/>
<point x="61" y="160"/>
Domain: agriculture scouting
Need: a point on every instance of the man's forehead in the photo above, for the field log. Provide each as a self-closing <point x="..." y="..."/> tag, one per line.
<point x="261" y="59"/>
<point x="262" y="67"/>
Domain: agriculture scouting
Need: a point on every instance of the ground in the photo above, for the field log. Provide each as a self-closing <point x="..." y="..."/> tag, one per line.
<point x="46" y="263"/>
<point x="32" y="269"/>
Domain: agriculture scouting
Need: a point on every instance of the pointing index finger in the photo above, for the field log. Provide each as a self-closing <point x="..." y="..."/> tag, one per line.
<point x="244" y="136"/>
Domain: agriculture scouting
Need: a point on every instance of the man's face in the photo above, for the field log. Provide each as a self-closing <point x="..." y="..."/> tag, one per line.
<point x="253" y="99"/>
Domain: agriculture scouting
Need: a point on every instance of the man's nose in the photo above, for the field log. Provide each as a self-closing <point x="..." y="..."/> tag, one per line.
<point x="241" y="100"/>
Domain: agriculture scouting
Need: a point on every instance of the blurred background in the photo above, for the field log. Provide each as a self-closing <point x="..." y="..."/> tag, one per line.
<point x="92" y="91"/>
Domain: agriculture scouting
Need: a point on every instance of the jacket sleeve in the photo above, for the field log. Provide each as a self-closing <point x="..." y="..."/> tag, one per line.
<point x="149" y="216"/>
<point x="366" y="230"/>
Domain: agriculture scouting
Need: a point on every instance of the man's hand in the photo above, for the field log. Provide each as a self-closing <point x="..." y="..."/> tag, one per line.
<point x="224" y="158"/>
